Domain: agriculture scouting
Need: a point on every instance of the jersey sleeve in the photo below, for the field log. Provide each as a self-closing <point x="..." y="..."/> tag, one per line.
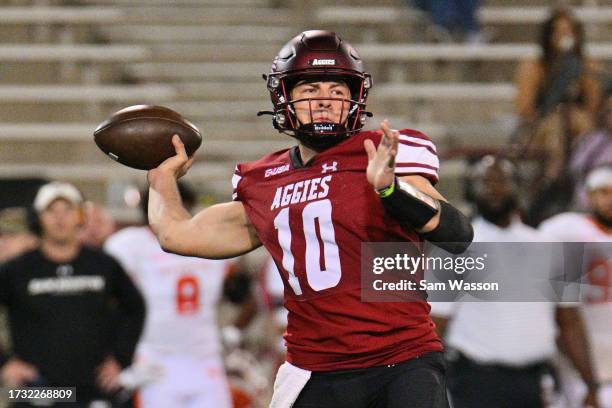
<point x="417" y="155"/>
<point x="236" y="178"/>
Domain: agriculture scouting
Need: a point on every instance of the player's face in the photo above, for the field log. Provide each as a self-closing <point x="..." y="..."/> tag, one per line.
<point x="495" y="194"/>
<point x="60" y="221"/>
<point x="331" y="105"/>
<point x="495" y="187"/>
<point x="601" y="202"/>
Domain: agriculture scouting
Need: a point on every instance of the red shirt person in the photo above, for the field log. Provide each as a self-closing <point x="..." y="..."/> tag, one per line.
<point x="312" y="206"/>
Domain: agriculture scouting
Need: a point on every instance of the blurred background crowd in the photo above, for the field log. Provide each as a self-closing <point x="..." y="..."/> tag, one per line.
<point x="526" y="80"/>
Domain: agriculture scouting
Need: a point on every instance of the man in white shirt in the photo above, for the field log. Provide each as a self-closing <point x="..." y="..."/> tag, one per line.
<point x="500" y="352"/>
<point x="594" y="228"/>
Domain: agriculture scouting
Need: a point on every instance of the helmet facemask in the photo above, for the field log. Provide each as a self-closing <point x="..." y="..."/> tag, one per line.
<point x="348" y="115"/>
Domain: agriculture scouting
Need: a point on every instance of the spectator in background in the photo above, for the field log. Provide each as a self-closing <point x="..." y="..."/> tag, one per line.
<point x="592" y="150"/>
<point x="75" y="316"/>
<point x="15" y="239"/>
<point x="500" y="352"/>
<point x="450" y="16"/>
<point x="15" y="236"/>
<point x="99" y="225"/>
<point x="596" y="286"/>
<point x="557" y="97"/>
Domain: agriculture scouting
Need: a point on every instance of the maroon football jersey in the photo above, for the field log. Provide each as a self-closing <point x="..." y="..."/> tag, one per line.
<point x="312" y="219"/>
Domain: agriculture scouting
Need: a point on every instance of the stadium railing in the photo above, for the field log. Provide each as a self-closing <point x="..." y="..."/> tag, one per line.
<point x="487" y="15"/>
<point x="73" y="53"/>
<point x="59" y="15"/>
<point x="84" y="93"/>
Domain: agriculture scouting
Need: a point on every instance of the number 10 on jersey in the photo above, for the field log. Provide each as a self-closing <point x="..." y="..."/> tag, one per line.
<point x="321" y="257"/>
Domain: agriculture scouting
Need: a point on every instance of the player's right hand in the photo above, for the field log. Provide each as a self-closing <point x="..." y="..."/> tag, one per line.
<point x="17" y="373"/>
<point x="175" y="166"/>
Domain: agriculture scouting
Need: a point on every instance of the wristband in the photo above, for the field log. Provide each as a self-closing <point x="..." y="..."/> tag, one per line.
<point x="387" y="191"/>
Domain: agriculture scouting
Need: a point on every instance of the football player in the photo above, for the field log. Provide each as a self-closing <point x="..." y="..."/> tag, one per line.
<point x="593" y="227"/>
<point x="312" y="206"/>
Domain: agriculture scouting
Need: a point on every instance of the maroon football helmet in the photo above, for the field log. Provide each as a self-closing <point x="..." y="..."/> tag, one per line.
<point x="318" y="55"/>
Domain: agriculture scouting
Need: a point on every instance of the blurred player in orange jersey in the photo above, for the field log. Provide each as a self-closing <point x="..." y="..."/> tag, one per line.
<point x="593" y="227"/>
<point x="178" y="360"/>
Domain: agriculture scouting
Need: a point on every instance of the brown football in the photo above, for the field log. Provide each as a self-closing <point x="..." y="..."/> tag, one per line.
<point x="140" y="136"/>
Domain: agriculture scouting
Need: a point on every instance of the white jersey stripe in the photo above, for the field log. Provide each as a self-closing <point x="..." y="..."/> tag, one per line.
<point x="409" y="170"/>
<point x="411" y="154"/>
<point x="235" y="180"/>
<point x="419" y="141"/>
<point x="416" y="154"/>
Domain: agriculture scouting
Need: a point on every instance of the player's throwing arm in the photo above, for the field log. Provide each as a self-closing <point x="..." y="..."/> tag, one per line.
<point x="220" y="231"/>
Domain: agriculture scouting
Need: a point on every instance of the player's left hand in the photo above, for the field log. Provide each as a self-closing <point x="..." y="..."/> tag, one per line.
<point x="381" y="160"/>
<point x="108" y="375"/>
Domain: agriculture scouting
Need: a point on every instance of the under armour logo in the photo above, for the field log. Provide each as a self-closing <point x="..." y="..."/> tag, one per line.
<point x="64" y="270"/>
<point x="326" y="167"/>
